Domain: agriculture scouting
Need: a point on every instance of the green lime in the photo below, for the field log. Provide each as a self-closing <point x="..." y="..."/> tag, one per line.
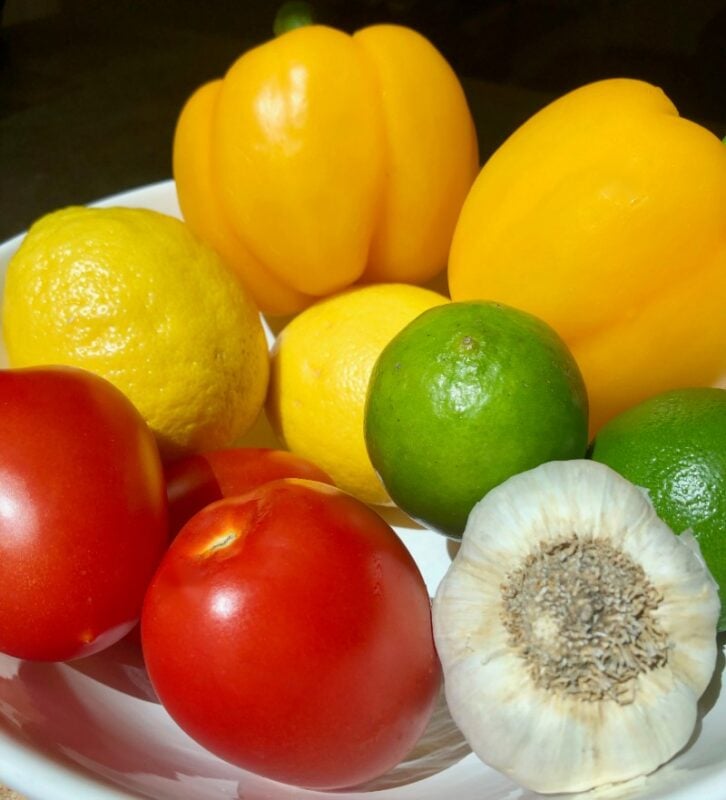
<point x="464" y="397"/>
<point x="674" y="445"/>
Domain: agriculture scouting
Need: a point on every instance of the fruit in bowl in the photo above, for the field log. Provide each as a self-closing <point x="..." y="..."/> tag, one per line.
<point x="83" y="521"/>
<point x="465" y="396"/>
<point x="322" y="159"/>
<point x="673" y="445"/>
<point x="320" y="370"/>
<point x="603" y="215"/>
<point x="288" y="630"/>
<point x="132" y="295"/>
<point x="130" y="740"/>
<point x="343" y="612"/>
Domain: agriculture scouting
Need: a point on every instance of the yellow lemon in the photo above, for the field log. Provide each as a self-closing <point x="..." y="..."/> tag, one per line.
<point x="321" y="364"/>
<point x="132" y="295"/>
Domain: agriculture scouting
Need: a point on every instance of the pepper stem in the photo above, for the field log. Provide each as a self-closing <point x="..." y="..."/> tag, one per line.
<point x="291" y="15"/>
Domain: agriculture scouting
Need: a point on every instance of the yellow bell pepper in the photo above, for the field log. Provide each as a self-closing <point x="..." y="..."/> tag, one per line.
<point x="323" y="159"/>
<point x="605" y="215"/>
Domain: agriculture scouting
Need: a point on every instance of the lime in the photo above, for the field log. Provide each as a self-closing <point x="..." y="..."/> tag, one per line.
<point x="464" y="397"/>
<point x="674" y="445"/>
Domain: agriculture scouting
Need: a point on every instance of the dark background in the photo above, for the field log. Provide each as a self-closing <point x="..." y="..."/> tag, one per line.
<point x="90" y="89"/>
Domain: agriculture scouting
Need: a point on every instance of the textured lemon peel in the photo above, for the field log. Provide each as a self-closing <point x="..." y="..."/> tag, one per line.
<point x="321" y="365"/>
<point x="131" y="295"/>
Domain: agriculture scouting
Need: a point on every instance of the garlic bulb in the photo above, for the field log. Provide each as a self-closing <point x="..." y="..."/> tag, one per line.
<point x="575" y="630"/>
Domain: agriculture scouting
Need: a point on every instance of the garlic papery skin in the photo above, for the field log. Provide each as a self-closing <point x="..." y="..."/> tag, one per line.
<point x="576" y="631"/>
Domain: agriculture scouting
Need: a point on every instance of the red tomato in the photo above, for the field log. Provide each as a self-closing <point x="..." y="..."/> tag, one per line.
<point x="198" y="480"/>
<point x="82" y="513"/>
<point x="289" y="631"/>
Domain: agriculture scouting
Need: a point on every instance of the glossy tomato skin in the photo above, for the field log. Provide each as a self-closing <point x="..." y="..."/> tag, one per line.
<point x="83" y="518"/>
<point x="197" y="480"/>
<point x="289" y="632"/>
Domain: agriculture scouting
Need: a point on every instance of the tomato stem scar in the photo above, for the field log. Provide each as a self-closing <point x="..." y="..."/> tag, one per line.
<point x="220" y="542"/>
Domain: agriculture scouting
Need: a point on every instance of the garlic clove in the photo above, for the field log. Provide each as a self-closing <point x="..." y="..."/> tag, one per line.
<point x="575" y="630"/>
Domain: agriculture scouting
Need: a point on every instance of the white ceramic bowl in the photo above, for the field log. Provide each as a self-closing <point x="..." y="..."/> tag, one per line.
<point x="93" y="729"/>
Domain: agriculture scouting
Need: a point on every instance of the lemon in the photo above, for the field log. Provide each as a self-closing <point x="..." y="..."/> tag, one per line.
<point x="674" y="445"/>
<point x="464" y="397"/>
<point x="321" y="364"/>
<point x="132" y="295"/>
